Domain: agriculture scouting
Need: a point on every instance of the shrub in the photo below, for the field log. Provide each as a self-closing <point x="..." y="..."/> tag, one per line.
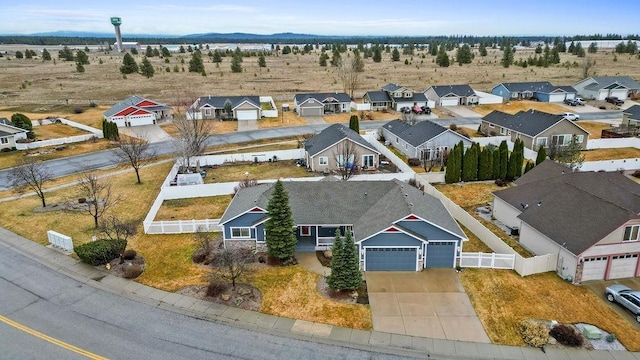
<point x="636" y="174"/>
<point x="216" y="287"/>
<point x="93" y="104"/>
<point x="78" y="110"/>
<point x="610" y="338"/>
<point x="132" y="272"/>
<point x="413" y="162"/>
<point x="567" y="335"/>
<point x="100" y="252"/>
<point x="129" y="254"/>
<point x="533" y="333"/>
<point x="199" y="256"/>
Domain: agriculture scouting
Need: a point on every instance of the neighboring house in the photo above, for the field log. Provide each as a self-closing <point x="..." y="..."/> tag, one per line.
<point x="534" y="128"/>
<point x="600" y="87"/>
<point x="135" y="111"/>
<point x="425" y="140"/>
<point x="318" y="104"/>
<point x="213" y="107"/>
<point x="10" y="134"/>
<point x="327" y="149"/>
<point x="590" y="219"/>
<point x="395" y="226"/>
<point x="452" y="95"/>
<point x="379" y="100"/>
<point x="395" y="97"/>
<point x="631" y="116"/>
<point x="540" y="90"/>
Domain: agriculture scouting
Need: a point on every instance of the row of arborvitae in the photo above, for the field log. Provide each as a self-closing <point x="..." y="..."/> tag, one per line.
<point x="488" y="163"/>
<point x="110" y="130"/>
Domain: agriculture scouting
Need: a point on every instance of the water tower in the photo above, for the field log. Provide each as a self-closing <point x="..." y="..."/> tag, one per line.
<point x="116" y="22"/>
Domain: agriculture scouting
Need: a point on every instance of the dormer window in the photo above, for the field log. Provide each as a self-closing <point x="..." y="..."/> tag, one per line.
<point x="408" y="94"/>
<point x="397" y="94"/>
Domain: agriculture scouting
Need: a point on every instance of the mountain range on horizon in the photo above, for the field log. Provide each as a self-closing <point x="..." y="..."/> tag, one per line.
<point x="236" y="35"/>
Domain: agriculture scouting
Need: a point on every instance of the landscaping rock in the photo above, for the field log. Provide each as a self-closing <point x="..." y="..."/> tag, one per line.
<point x="244" y="292"/>
<point x="225" y="297"/>
<point x="328" y="254"/>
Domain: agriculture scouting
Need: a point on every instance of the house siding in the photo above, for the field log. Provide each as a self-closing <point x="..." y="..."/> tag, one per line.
<point x="398" y="143"/>
<point x="244" y="220"/>
<point x="331" y="153"/>
<point x="503" y="92"/>
<point x="506" y="213"/>
<point x="392" y="239"/>
<point x="431" y="95"/>
<point x="542" y="245"/>
<point x="564" y="127"/>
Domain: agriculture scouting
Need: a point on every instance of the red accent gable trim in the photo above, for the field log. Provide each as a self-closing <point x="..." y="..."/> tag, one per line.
<point x="392" y="229"/>
<point x="412" y="217"/>
<point x="146" y="103"/>
<point x="126" y="111"/>
<point x="256" y="209"/>
<point x="141" y="112"/>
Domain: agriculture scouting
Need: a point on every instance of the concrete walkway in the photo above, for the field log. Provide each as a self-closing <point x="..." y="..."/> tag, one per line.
<point x="309" y="261"/>
<point x="464" y="111"/>
<point x="367" y="340"/>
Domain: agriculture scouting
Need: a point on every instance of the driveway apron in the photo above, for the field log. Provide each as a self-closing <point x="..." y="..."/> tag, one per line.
<point x="246" y="125"/>
<point x="314" y="120"/>
<point x="430" y="303"/>
<point x="151" y="133"/>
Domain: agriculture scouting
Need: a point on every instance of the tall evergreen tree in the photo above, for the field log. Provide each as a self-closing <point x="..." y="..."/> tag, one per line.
<point x="46" y="56"/>
<point x="165" y="52"/>
<point x="442" y="59"/>
<point x="485" y="164"/>
<point x="395" y="55"/>
<point x="464" y="55"/>
<point x="504" y="159"/>
<point x="281" y="239"/>
<point x="323" y="58"/>
<point x="261" y="61"/>
<point x="483" y="50"/>
<point x="337" y="260"/>
<point x="216" y="58"/>
<point x="495" y="173"/>
<point x="336" y="58"/>
<point x="345" y="272"/>
<point x="377" y="55"/>
<point x="507" y="56"/>
<point x="129" y="65"/>
<point x="196" y="64"/>
<point x="236" y="65"/>
<point x="470" y="165"/>
<point x="542" y="155"/>
<point x="452" y="172"/>
<point x="82" y="57"/>
<point x="354" y="124"/>
<point x="146" y="68"/>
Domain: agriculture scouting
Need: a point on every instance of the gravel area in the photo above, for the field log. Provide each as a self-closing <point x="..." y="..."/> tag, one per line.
<point x="485" y="213"/>
<point x="602" y="343"/>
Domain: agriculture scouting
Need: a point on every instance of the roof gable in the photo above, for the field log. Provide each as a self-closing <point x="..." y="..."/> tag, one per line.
<point x="530" y="123"/>
<point x="333" y="135"/>
<point x="457" y="90"/>
<point x="633" y="112"/>
<point x="322" y="97"/>
<point x="419" y="133"/>
<point x="133" y="102"/>
<point x="219" y="102"/>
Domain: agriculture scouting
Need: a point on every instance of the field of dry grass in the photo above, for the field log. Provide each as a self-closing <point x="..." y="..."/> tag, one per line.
<point x="503" y="298"/>
<point x="513" y="107"/>
<point x="611" y="154"/>
<point x="45" y="84"/>
<point x="91" y="116"/>
<point x="8" y="159"/>
<point x="211" y="207"/>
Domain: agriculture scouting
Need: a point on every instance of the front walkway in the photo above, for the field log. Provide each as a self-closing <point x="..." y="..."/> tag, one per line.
<point x="309" y="261"/>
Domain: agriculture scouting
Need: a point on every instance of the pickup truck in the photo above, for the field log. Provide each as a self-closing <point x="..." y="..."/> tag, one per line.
<point x="613" y="100"/>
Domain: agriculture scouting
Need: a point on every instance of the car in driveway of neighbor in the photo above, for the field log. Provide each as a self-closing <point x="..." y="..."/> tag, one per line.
<point x="623" y="295"/>
<point x="571" y="116"/>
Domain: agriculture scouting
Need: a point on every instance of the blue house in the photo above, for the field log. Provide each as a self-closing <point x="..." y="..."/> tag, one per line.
<point x="395" y="226"/>
<point x="538" y="90"/>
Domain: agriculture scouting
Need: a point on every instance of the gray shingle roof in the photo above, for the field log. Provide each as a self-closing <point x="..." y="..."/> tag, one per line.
<point x="458" y="90"/>
<point x="378" y="96"/>
<point x="331" y="135"/>
<point x="545" y="170"/>
<point x="219" y="101"/>
<point x="391" y="87"/>
<point x="131" y="101"/>
<point x="322" y="97"/>
<point x="371" y="206"/>
<point x="602" y="82"/>
<point x="633" y="112"/>
<point x="416" y="97"/>
<point x="530" y="122"/>
<point x="575" y="209"/>
<point x="417" y="134"/>
<point x="536" y="86"/>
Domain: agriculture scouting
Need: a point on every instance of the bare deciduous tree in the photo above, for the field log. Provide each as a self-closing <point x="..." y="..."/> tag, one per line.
<point x="98" y="194"/>
<point x="192" y="135"/>
<point x="349" y="74"/>
<point x="587" y="65"/>
<point x="570" y="155"/>
<point x="346" y="157"/>
<point x="204" y="239"/>
<point x="136" y="152"/>
<point x="116" y="229"/>
<point x="245" y="183"/>
<point x="233" y="263"/>
<point x="30" y="173"/>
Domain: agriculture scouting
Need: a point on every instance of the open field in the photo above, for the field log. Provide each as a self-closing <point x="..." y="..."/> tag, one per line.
<point x="611" y="154"/>
<point x="31" y="81"/>
<point x="513" y="107"/>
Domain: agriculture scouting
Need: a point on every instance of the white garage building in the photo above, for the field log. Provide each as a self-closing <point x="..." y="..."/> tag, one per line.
<point x="136" y="111"/>
<point x="241" y="108"/>
<point x="600" y="87"/>
<point x="590" y="219"/>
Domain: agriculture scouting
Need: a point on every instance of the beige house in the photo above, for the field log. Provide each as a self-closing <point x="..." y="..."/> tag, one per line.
<point x="590" y="219"/>
<point x="338" y="146"/>
<point x="535" y="128"/>
<point x="9" y="134"/>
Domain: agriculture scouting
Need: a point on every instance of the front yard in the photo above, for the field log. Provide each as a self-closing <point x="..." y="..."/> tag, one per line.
<point x="515" y="106"/>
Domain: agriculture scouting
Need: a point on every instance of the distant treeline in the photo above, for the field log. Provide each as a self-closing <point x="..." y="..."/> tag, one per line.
<point x="310" y="39"/>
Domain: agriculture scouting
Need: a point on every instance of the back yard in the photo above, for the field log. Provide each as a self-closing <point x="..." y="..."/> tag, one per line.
<point x="513" y="107"/>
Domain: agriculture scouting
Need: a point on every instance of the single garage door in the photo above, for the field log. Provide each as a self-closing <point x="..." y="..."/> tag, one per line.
<point x="449" y="101"/>
<point x="440" y="254"/>
<point x="570" y="96"/>
<point x="594" y="268"/>
<point x="623" y="266"/>
<point x="247" y="114"/>
<point x="312" y="111"/>
<point x="391" y="259"/>
<point x="556" y="97"/>
<point x="620" y="93"/>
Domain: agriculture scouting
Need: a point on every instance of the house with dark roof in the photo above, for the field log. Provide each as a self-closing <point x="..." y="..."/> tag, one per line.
<point x="535" y="128"/>
<point x="591" y="220"/>
<point x="10" y="134"/>
<point x="338" y="146"/>
<point x="631" y="116"/>
<point x="535" y="90"/>
<point x="600" y="87"/>
<point x="424" y="140"/>
<point x="452" y="95"/>
<point x="394" y="96"/>
<point x="227" y="107"/>
<point x="136" y="110"/>
<point x="395" y="226"/>
<point x="318" y="104"/>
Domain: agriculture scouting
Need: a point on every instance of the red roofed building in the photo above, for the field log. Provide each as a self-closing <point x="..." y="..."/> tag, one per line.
<point x="136" y="111"/>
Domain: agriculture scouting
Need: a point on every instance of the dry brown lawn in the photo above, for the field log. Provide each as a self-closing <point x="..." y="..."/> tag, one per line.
<point x="474" y="244"/>
<point x="288" y="119"/>
<point x="502" y="298"/>
<point x="55" y="131"/>
<point x="594" y="128"/>
<point x="513" y="107"/>
<point x="471" y="195"/>
<point x="260" y="171"/>
<point x="50" y="152"/>
<point x="34" y="111"/>
<point x="291" y="291"/>
<point x="211" y="207"/>
<point x="611" y="154"/>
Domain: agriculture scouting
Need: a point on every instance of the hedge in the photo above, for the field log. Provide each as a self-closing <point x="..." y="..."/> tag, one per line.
<point x="100" y="252"/>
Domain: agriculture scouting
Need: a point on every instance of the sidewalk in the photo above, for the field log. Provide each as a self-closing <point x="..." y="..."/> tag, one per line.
<point x="300" y="329"/>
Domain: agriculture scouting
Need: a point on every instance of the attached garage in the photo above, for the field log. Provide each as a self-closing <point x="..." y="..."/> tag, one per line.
<point x="391" y="259"/>
<point x="247" y="115"/>
<point x="451" y="101"/>
<point x="623" y="266"/>
<point x="312" y="111"/>
<point x="440" y="254"/>
<point x="619" y="93"/>
<point x="594" y="268"/>
<point x="556" y="97"/>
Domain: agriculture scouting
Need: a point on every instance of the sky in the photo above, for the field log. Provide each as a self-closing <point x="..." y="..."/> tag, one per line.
<point x="325" y="17"/>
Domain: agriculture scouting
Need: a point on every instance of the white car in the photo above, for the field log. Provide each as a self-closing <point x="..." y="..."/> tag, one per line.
<point x="571" y="116"/>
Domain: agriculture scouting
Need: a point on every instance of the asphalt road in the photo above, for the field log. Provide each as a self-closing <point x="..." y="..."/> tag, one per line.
<point x="106" y="325"/>
<point x="104" y="159"/>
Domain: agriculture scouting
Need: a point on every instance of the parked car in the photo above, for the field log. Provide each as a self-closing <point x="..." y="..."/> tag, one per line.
<point x="571" y="102"/>
<point x="426" y="110"/>
<point x="626" y="297"/>
<point x="614" y="100"/>
<point x="571" y="116"/>
<point x="405" y="110"/>
<point x="579" y="101"/>
<point x="416" y="109"/>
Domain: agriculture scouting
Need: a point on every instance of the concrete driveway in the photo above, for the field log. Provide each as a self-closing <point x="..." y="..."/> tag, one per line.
<point x="579" y="109"/>
<point x="430" y="303"/>
<point x="314" y="120"/>
<point x="151" y="133"/>
<point x="597" y="287"/>
<point x="246" y="125"/>
<point x="464" y="111"/>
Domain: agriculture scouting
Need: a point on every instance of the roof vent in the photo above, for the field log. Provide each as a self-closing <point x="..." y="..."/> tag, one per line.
<point x="405" y="194"/>
<point x="524" y="206"/>
<point x="411" y="204"/>
<point x="365" y="193"/>
<point x="539" y="203"/>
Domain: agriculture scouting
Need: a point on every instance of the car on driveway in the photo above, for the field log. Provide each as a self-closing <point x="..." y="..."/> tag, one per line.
<point x="571" y="102"/>
<point x="571" y="116"/>
<point x="405" y="110"/>
<point x="614" y="100"/>
<point x="630" y="299"/>
<point x="426" y="110"/>
<point x="579" y="101"/>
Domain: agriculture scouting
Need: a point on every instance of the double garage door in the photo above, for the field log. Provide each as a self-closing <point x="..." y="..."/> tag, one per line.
<point x="439" y="255"/>
<point x="622" y="266"/>
<point x="312" y="111"/>
<point x="247" y="115"/>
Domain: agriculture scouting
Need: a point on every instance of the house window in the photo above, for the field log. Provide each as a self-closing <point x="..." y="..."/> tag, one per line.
<point x="561" y="140"/>
<point x="491" y="126"/>
<point x="207" y="112"/>
<point x="340" y="159"/>
<point x="541" y="142"/>
<point x="631" y="233"/>
<point x="579" y="139"/>
<point x="323" y="160"/>
<point x="305" y="230"/>
<point x="240" y="232"/>
<point x="503" y="131"/>
<point x="368" y="160"/>
<point x="4" y="141"/>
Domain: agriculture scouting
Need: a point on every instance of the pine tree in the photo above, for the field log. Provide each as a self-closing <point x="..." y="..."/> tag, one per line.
<point x="148" y="52"/>
<point x="323" y="59"/>
<point x="357" y="64"/>
<point x="337" y="261"/>
<point x="165" y="52"/>
<point x="395" y="55"/>
<point x="82" y="57"/>
<point x="261" y="61"/>
<point x="146" y="68"/>
<point x="442" y="59"/>
<point x="345" y="273"/>
<point x="354" y="124"/>
<point x="504" y="160"/>
<point x="470" y="165"/>
<point x="46" y="56"/>
<point x="377" y="55"/>
<point x="464" y="55"/>
<point x="129" y="65"/>
<point x="236" y="65"/>
<point x="495" y="173"/>
<point x="542" y="155"/>
<point x="65" y="54"/>
<point x="195" y="64"/>
<point x="483" y="50"/>
<point x="79" y="67"/>
<point x="485" y="164"/>
<point x="28" y="54"/>
<point x="281" y="238"/>
<point x="507" y="56"/>
<point x="217" y="58"/>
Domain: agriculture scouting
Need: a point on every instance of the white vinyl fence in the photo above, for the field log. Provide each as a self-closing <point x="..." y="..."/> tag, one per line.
<point x="372" y="139"/>
<point x="94" y="133"/>
<point x="611" y="165"/>
<point x="485" y="260"/>
<point x="613" y="143"/>
<point x="360" y="106"/>
<point x="182" y="226"/>
<point x="60" y="241"/>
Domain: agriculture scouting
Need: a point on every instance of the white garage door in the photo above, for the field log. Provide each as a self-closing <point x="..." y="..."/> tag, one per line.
<point x="311" y="111"/>
<point x="247" y="115"/>
<point x="623" y="266"/>
<point x="556" y="97"/>
<point x="594" y="268"/>
<point x="449" y="102"/>
<point x="620" y="93"/>
<point x="570" y="96"/>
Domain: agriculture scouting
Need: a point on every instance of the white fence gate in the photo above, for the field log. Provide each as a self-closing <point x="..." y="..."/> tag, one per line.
<point x="485" y="260"/>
